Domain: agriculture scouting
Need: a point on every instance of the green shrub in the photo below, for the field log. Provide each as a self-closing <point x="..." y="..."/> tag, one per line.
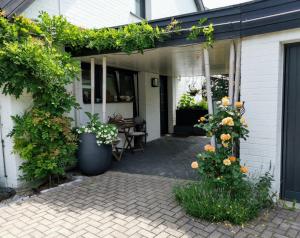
<point x="224" y="192"/>
<point x="215" y="203"/>
<point x="220" y="163"/>
<point x="45" y="143"/>
<point x="188" y="101"/>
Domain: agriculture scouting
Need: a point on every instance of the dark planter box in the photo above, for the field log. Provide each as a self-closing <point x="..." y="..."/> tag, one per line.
<point x="189" y="117"/>
<point x="185" y="121"/>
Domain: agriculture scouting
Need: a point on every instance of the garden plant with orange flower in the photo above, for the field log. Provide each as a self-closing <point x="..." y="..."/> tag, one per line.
<point x="225" y="192"/>
<point x="228" y="126"/>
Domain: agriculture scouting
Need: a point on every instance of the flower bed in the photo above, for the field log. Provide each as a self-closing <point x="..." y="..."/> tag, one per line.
<point x="225" y="193"/>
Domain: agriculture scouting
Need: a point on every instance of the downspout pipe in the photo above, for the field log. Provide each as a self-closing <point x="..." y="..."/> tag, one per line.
<point x="2" y="147"/>
<point x="199" y="5"/>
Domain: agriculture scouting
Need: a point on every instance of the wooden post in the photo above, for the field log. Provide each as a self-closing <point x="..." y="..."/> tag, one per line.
<point x="238" y="71"/>
<point x="208" y="87"/>
<point x="231" y="71"/>
<point x="93" y="85"/>
<point x="104" y="78"/>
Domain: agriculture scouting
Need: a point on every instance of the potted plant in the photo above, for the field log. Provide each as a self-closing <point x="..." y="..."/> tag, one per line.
<point x="95" y="150"/>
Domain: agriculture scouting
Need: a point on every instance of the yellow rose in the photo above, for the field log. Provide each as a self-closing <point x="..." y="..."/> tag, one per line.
<point x="225" y="137"/>
<point x="228" y="121"/>
<point x="226" y="162"/>
<point x="225" y="144"/>
<point x="195" y="165"/>
<point x="202" y="119"/>
<point x="232" y="159"/>
<point x="243" y="121"/>
<point x="225" y="101"/>
<point x="244" y="169"/>
<point x="239" y="104"/>
<point x="209" y="148"/>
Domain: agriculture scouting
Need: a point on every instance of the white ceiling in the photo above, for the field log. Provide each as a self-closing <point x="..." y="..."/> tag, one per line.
<point x="182" y="61"/>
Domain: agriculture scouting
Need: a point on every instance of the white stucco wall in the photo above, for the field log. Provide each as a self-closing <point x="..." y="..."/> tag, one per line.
<point x="103" y="13"/>
<point x="87" y="14"/>
<point x="149" y="104"/>
<point x="262" y="89"/>
<point x="10" y="106"/>
<point x="167" y="8"/>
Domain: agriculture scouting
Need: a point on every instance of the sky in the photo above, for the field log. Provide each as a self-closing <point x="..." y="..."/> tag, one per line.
<point x="221" y="3"/>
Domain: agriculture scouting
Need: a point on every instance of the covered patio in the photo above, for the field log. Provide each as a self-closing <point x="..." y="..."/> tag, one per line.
<point x="156" y="76"/>
<point x="168" y="157"/>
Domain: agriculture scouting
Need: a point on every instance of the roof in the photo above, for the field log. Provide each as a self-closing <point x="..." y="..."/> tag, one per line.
<point x="241" y="20"/>
<point x="12" y="7"/>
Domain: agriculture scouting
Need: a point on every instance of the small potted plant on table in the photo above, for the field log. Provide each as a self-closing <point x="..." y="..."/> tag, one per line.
<point x="95" y="150"/>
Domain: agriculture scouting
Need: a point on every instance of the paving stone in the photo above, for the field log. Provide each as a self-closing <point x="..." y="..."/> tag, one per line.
<point x="121" y="205"/>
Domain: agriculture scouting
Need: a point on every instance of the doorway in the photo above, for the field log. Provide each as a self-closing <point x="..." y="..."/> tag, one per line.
<point x="290" y="189"/>
<point x="163" y="105"/>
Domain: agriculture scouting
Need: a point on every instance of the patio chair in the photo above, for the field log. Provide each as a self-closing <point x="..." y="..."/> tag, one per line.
<point x="136" y="132"/>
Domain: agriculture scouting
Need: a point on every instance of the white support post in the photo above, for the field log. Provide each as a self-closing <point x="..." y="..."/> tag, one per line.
<point x="231" y="71"/>
<point x="238" y="71"/>
<point x="93" y="85"/>
<point x="208" y="82"/>
<point x="104" y="78"/>
<point x="208" y="87"/>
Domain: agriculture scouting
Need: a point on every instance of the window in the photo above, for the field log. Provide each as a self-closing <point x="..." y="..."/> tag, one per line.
<point x="140" y="8"/>
<point x="119" y="85"/>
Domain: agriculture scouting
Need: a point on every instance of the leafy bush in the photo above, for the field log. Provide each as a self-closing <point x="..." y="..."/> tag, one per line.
<point x="216" y="203"/>
<point x="224" y="192"/>
<point x="188" y="101"/>
<point x="105" y="133"/>
<point x="221" y="164"/>
<point x="45" y="143"/>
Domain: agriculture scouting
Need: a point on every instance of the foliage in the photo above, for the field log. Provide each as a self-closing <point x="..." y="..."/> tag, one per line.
<point x="105" y="133"/>
<point x="216" y="203"/>
<point x="48" y="70"/>
<point x="186" y="101"/>
<point x="221" y="164"/>
<point x="202" y="105"/>
<point x="200" y="29"/>
<point x="219" y="87"/>
<point x="129" y="38"/>
<point x="30" y="63"/>
<point x="224" y="192"/>
<point x="45" y="143"/>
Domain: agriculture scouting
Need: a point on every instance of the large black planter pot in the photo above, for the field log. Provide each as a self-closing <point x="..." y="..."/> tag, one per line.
<point x="185" y="121"/>
<point x="93" y="159"/>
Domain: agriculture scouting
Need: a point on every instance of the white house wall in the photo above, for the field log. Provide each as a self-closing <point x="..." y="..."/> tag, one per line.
<point x="87" y="14"/>
<point x="10" y="106"/>
<point x="262" y="89"/>
<point x="149" y="104"/>
<point x="167" y="8"/>
<point x="103" y="13"/>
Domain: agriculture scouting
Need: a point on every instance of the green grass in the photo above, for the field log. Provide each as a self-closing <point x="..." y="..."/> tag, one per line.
<point x="216" y="204"/>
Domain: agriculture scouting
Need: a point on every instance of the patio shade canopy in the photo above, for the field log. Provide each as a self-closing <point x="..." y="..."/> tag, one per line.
<point x="232" y="22"/>
<point x="183" y="61"/>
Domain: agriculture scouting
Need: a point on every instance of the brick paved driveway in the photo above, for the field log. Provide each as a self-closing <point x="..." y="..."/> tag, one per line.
<point x="124" y="205"/>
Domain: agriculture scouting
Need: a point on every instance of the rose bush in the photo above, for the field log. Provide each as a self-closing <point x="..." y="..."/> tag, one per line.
<point x="221" y="163"/>
<point x="224" y="191"/>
